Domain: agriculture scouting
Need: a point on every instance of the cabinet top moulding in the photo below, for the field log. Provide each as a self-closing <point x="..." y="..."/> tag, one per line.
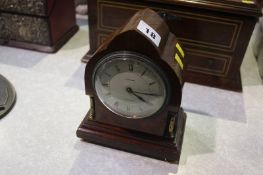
<point x="241" y="7"/>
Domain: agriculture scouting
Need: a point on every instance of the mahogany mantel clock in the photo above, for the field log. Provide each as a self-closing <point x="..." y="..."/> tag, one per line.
<point x="134" y="81"/>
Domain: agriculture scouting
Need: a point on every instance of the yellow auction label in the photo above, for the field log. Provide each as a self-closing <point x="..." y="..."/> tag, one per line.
<point x="179" y="48"/>
<point x="248" y="1"/>
<point x="179" y="61"/>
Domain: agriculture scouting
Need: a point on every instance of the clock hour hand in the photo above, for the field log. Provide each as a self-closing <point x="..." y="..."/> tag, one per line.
<point x="143" y="93"/>
<point x="130" y="91"/>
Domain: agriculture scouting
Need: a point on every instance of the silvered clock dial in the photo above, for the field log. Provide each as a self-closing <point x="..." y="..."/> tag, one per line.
<point x="130" y="85"/>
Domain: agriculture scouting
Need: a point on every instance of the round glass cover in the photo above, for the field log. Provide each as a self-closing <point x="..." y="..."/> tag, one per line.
<point x="130" y="85"/>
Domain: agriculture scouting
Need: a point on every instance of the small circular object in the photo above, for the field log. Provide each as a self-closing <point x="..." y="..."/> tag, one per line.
<point x="7" y="96"/>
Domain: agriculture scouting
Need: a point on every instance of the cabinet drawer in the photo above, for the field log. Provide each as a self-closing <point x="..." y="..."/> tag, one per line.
<point x="214" y="34"/>
<point x="24" y="28"/>
<point x="33" y="7"/>
<point x="208" y="63"/>
<point x="193" y="29"/>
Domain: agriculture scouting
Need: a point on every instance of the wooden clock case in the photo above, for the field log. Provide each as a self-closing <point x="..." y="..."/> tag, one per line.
<point x="159" y="136"/>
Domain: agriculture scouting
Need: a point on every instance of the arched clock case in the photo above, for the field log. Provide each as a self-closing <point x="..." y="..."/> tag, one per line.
<point x="135" y="81"/>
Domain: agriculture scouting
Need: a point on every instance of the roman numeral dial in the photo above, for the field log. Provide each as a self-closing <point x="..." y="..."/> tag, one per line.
<point x="130" y="85"/>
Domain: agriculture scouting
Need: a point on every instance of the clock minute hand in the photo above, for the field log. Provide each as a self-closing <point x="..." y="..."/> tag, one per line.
<point x="129" y="90"/>
<point x="139" y="97"/>
<point x="143" y="93"/>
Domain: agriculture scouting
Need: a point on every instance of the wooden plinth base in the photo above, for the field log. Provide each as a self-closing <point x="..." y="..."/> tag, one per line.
<point x="135" y="142"/>
<point x="42" y="48"/>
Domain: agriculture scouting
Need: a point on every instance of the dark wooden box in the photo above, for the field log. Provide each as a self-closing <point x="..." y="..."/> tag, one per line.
<point x="214" y="33"/>
<point x="43" y="25"/>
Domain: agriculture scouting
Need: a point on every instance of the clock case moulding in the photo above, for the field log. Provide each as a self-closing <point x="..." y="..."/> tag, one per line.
<point x="159" y="136"/>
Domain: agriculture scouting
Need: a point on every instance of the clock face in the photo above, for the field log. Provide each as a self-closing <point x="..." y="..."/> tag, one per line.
<point x="130" y="85"/>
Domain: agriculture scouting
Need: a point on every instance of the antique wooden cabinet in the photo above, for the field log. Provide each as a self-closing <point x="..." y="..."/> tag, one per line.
<point x="43" y="25"/>
<point x="214" y="33"/>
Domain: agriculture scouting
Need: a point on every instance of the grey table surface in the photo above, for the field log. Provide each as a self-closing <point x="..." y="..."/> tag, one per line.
<point x="223" y="131"/>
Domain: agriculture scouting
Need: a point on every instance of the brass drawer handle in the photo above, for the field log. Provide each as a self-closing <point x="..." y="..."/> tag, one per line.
<point x="210" y="63"/>
<point x="168" y="16"/>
